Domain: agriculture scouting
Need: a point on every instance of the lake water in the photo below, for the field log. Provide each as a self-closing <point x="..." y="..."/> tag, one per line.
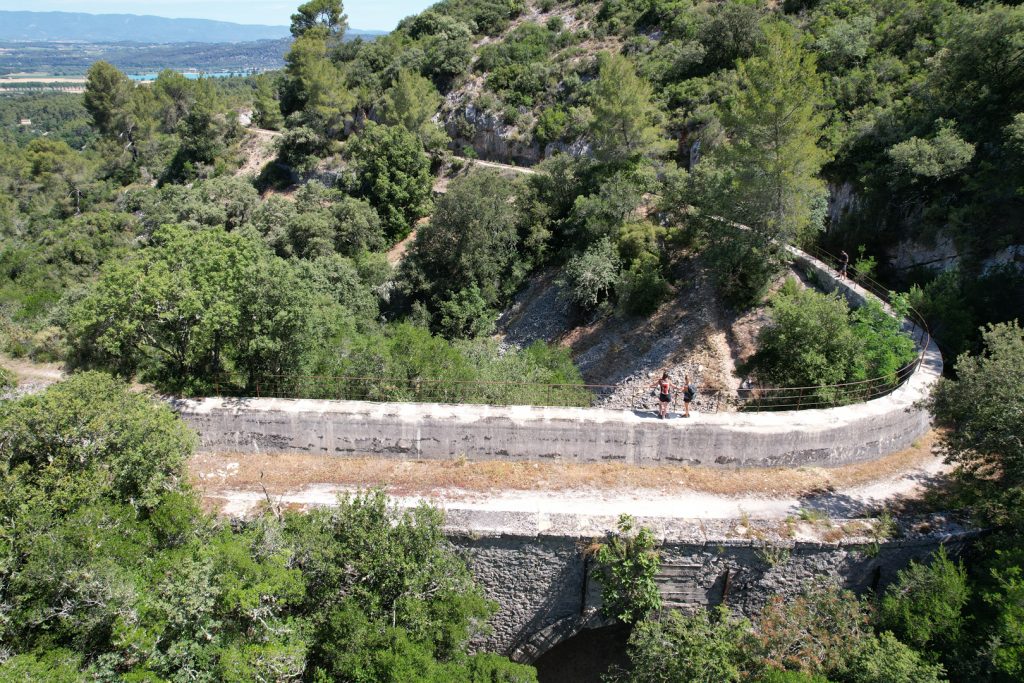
<point x="193" y="75"/>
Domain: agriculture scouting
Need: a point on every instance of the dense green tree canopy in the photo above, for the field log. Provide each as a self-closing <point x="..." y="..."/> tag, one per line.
<point x="393" y="174"/>
<point x="983" y="406"/>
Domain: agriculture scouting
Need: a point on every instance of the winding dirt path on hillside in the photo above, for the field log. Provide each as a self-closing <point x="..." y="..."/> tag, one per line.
<point x="258" y="149"/>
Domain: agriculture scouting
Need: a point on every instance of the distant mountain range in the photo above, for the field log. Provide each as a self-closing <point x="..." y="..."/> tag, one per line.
<point x="115" y="28"/>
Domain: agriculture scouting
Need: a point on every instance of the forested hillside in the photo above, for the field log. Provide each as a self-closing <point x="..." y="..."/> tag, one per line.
<point x="904" y="141"/>
<point x="670" y="143"/>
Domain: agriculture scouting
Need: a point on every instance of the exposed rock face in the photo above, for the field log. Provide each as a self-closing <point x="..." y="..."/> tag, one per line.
<point x="1012" y="255"/>
<point x="942" y="255"/>
<point x="492" y="139"/>
<point x="842" y="200"/>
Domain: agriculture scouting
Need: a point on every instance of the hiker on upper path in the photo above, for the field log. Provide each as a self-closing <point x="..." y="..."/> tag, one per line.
<point x="844" y="262"/>
<point x="664" y="387"/>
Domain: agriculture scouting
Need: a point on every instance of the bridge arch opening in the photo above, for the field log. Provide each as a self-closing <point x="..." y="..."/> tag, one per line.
<point x="585" y="656"/>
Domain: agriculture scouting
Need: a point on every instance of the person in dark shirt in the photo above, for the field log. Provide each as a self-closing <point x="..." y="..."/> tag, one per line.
<point x="689" y="393"/>
<point x="844" y="262"/>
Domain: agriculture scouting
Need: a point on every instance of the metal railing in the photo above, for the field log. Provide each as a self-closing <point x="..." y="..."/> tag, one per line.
<point x="918" y="328"/>
<point x="757" y="398"/>
<point x="430" y="390"/>
<point x="749" y="398"/>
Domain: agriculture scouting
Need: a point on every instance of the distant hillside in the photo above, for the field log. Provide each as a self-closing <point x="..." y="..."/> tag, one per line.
<point x="75" y="58"/>
<point x="112" y="28"/>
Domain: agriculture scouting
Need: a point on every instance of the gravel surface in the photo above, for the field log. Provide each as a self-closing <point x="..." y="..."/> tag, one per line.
<point x="687" y="335"/>
<point x="635" y="392"/>
<point x="541" y="312"/>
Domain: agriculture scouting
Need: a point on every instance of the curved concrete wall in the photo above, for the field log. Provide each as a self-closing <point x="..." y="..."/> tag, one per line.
<point x="824" y="437"/>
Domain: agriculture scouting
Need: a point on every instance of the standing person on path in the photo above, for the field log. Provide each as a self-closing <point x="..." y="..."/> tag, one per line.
<point x="664" y="387"/>
<point x="689" y="393"/>
<point x="844" y="262"/>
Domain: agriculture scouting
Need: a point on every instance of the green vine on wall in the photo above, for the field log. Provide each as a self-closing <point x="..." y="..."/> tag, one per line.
<point x="626" y="566"/>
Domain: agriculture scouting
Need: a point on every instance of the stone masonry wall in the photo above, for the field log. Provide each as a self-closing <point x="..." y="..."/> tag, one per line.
<point x="542" y="586"/>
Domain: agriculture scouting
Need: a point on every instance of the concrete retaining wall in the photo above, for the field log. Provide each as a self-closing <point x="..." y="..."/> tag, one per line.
<point x="825" y="437"/>
<point x="545" y="595"/>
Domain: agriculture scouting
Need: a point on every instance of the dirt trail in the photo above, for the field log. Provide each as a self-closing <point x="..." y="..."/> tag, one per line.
<point x="397" y="252"/>
<point x="526" y="170"/>
<point x="233" y="484"/>
<point x="259" y="148"/>
<point x="31" y="371"/>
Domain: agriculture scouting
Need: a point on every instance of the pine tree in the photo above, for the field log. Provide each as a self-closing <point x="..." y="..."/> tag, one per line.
<point x="625" y="121"/>
<point x="774" y="124"/>
<point x="411" y="101"/>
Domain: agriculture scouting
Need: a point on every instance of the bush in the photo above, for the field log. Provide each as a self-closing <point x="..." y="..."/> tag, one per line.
<point x="809" y="342"/>
<point x="466" y="315"/>
<point x="884" y="659"/>
<point x="983" y="407"/>
<point x="90" y="435"/>
<point x="744" y="264"/>
<point x="924" y="605"/>
<point x="300" y="148"/>
<point x="643" y="287"/>
<point x="815" y="340"/>
<point x="8" y="380"/>
<point x="626" y="566"/>
<point x="593" y="275"/>
<point x="816" y="632"/>
<point x="705" y="646"/>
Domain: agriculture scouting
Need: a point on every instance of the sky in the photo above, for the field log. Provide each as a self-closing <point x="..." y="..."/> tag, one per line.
<point x="365" y="14"/>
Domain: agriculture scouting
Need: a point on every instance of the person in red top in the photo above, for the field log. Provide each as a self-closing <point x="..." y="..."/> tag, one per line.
<point x="664" y="387"/>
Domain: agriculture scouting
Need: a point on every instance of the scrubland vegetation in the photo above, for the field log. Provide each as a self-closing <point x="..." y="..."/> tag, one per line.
<point x="129" y="246"/>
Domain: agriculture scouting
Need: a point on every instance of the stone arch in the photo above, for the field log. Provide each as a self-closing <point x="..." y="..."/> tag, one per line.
<point x="555" y="633"/>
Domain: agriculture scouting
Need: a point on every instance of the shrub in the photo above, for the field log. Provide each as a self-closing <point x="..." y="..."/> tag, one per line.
<point x="814" y="340"/>
<point x="8" y="380"/>
<point x="593" y="275"/>
<point x="466" y="315"/>
<point x="551" y="125"/>
<point x="809" y="342"/>
<point x="983" y="407"/>
<point x="90" y="434"/>
<point x="884" y="659"/>
<point x="923" y="607"/>
<point x="300" y="148"/>
<point x="643" y="287"/>
<point x="815" y="632"/>
<point x="626" y="565"/>
<point x="705" y="646"/>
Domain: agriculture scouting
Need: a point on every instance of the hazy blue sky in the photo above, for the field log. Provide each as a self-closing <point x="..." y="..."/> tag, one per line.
<point x="366" y="14"/>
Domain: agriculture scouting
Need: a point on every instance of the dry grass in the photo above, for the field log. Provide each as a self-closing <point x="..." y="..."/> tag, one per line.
<point x="291" y="472"/>
<point x="31" y="371"/>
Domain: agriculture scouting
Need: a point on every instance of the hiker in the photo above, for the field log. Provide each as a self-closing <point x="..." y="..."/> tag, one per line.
<point x="689" y="393"/>
<point x="844" y="261"/>
<point x="664" y="387"/>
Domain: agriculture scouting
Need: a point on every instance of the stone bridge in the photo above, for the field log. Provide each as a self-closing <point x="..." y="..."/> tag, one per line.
<point x="536" y="566"/>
